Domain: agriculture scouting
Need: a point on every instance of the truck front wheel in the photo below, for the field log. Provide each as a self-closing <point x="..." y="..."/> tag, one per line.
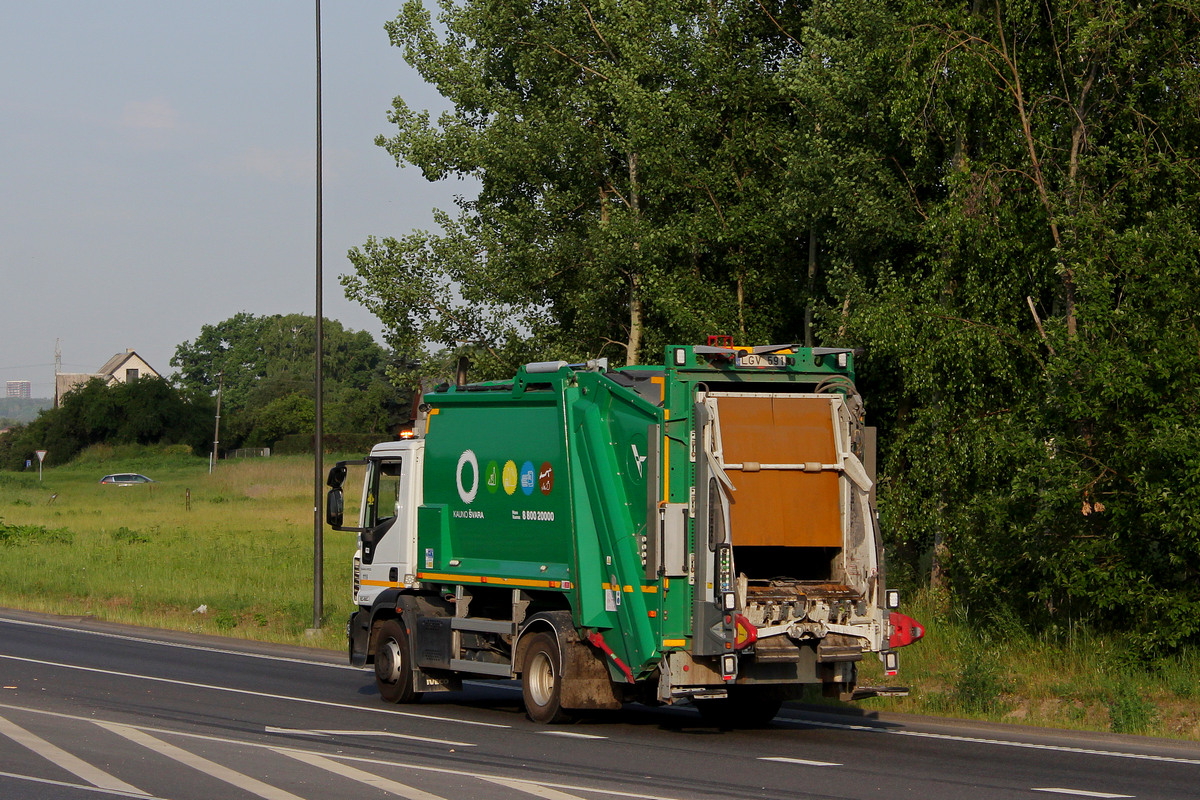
<point x="393" y="664"/>
<point x="541" y="680"/>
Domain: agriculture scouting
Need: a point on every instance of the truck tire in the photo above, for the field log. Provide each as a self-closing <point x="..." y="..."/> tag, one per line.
<point x="541" y="680"/>
<point x="745" y="707"/>
<point x="393" y="664"/>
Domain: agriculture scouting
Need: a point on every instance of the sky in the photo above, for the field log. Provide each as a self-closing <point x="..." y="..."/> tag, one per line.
<point x="158" y="170"/>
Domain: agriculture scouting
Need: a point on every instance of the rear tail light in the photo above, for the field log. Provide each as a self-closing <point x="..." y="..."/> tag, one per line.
<point x="904" y="630"/>
<point x="744" y="632"/>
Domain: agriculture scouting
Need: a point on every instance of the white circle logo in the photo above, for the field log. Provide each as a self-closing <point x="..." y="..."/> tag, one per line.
<point x="468" y="495"/>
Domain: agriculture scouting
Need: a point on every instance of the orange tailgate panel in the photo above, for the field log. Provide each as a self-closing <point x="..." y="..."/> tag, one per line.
<point x="787" y="508"/>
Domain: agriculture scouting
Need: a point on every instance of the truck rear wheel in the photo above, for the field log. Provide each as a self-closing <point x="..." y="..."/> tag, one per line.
<point x="541" y="680"/>
<point x="393" y="664"/>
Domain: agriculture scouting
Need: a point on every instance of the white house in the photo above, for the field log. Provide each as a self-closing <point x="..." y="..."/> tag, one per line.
<point x="121" y="368"/>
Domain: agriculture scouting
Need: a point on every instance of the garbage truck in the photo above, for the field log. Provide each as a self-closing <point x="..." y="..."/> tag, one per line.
<point x="698" y="531"/>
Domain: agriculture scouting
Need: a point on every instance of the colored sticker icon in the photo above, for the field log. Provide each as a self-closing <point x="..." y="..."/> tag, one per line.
<point x="528" y="478"/>
<point x="491" y="477"/>
<point x="510" y="477"/>
<point x="546" y="477"/>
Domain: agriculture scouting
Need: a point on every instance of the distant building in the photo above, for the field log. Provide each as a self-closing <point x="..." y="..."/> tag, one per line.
<point x="23" y="389"/>
<point x="121" y="368"/>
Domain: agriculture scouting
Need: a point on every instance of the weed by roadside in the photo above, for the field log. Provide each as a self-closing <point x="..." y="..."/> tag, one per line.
<point x="990" y="668"/>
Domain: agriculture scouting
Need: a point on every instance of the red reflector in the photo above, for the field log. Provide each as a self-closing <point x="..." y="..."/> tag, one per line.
<point x="905" y="630"/>
<point x="744" y="632"/>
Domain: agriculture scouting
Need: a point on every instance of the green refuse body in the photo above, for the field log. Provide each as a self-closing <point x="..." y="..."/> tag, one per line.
<point x="698" y="531"/>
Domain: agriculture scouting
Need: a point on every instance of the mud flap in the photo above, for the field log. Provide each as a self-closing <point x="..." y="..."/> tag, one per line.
<point x="358" y="632"/>
<point x="586" y="682"/>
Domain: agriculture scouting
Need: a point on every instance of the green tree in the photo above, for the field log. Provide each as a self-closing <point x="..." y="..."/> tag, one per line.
<point x="996" y="200"/>
<point x="263" y="358"/>
<point x="631" y="160"/>
<point x="293" y="413"/>
<point x="145" y="411"/>
<point x="1035" y="355"/>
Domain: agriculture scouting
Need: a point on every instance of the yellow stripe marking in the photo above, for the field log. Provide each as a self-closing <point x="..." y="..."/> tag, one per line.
<point x="666" y="445"/>
<point x="386" y="584"/>
<point x="628" y="589"/>
<point x="674" y="642"/>
<point x="442" y="576"/>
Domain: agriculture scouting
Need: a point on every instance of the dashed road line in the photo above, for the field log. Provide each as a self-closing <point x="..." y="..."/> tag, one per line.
<point x="1082" y="793"/>
<point x="72" y="764"/>
<point x="1056" y="748"/>
<point x="803" y="761"/>
<point x="376" y="734"/>
<point x="572" y="735"/>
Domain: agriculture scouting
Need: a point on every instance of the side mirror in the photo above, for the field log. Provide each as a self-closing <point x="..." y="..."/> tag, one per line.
<point x="335" y="504"/>
<point x="337" y="476"/>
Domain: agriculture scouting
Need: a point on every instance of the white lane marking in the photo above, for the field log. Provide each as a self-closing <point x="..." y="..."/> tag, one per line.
<point x="293" y="731"/>
<point x="180" y="645"/>
<point x="72" y="764"/>
<point x="199" y="763"/>
<point x="310" y="701"/>
<point x="347" y="771"/>
<point x="341" y="757"/>
<point x="572" y="735"/>
<point x="1082" y="793"/>
<point x="535" y="789"/>
<point x="79" y="787"/>
<point x="376" y="734"/>
<point x="1057" y="748"/>
<point x="803" y="761"/>
<point x="464" y="774"/>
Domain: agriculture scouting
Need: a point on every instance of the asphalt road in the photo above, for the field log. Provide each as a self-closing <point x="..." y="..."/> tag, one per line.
<point x="92" y="710"/>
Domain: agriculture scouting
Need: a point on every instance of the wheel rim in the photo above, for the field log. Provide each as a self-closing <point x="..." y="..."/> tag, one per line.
<point x="387" y="662"/>
<point x="541" y="679"/>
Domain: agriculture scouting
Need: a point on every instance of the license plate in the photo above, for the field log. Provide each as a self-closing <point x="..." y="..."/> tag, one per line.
<point x="769" y="360"/>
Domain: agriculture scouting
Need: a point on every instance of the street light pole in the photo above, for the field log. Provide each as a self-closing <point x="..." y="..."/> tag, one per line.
<point x="318" y="445"/>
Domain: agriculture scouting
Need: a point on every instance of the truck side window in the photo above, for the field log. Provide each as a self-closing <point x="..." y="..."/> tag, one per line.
<point x="386" y="491"/>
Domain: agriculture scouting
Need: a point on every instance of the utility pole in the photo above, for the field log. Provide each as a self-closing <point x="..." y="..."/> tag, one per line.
<point x="212" y="459"/>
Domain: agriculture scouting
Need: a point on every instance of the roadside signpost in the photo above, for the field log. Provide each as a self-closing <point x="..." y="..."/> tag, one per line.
<point x="41" y="454"/>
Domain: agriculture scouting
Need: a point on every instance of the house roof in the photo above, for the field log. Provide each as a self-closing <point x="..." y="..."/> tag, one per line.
<point x="116" y="362"/>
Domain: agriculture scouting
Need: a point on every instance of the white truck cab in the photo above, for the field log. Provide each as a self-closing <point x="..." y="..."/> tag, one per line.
<point x="387" y="552"/>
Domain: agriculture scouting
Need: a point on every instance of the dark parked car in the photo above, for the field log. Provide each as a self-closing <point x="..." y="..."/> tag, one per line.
<point x="125" y="479"/>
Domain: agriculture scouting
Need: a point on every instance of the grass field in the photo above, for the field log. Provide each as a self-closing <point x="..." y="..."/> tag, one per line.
<point x="241" y="550"/>
<point x="238" y="543"/>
